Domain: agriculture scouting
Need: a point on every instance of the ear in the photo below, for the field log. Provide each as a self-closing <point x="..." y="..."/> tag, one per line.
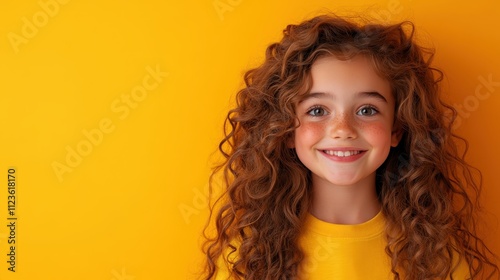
<point x="396" y="135"/>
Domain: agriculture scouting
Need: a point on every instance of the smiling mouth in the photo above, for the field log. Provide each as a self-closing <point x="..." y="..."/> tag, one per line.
<point x="342" y="153"/>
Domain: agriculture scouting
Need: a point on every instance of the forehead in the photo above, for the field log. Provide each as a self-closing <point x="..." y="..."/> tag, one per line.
<point x="332" y="75"/>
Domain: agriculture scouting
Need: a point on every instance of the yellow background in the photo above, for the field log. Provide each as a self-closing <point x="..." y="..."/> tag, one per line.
<point x="133" y="206"/>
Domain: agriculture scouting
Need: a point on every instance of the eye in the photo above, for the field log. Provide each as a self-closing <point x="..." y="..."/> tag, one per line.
<point x="367" y="111"/>
<point x="317" y="111"/>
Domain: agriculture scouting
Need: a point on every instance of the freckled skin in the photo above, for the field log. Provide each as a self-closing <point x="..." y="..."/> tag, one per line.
<point x="342" y="116"/>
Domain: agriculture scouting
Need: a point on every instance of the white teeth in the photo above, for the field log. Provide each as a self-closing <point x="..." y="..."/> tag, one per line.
<point x="342" y="154"/>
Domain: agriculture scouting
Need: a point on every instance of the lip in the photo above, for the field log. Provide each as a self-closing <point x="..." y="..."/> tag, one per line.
<point x="358" y="154"/>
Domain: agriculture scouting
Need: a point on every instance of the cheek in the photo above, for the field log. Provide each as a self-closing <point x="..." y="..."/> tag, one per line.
<point x="378" y="133"/>
<point x="309" y="132"/>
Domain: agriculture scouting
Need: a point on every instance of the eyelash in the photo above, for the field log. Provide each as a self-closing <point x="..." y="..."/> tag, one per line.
<point x="310" y="110"/>
<point x="370" y="107"/>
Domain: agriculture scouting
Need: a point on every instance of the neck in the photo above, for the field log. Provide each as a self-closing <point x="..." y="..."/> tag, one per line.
<point x="353" y="204"/>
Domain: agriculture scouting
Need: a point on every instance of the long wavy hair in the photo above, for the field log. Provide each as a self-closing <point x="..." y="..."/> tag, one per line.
<point x="429" y="194"/>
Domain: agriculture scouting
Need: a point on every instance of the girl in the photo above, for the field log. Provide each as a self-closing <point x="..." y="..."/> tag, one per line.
<point x="340" y="163"/>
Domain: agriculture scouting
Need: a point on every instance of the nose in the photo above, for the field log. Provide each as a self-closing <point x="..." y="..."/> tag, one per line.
<point x="342" y="127"/>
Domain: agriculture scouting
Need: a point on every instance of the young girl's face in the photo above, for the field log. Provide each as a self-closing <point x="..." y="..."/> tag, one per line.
<point x="346" y="122"/>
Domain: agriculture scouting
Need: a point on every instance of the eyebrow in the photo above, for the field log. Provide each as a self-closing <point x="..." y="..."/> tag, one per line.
<point x="373" y="94"/>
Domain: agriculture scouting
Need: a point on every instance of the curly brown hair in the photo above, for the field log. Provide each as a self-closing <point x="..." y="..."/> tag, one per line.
<point x="429" y="194"/>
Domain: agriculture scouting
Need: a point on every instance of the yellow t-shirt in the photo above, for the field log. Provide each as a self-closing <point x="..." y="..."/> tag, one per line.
<point x="349" y="252"/>
<point x="345" y="252"/>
